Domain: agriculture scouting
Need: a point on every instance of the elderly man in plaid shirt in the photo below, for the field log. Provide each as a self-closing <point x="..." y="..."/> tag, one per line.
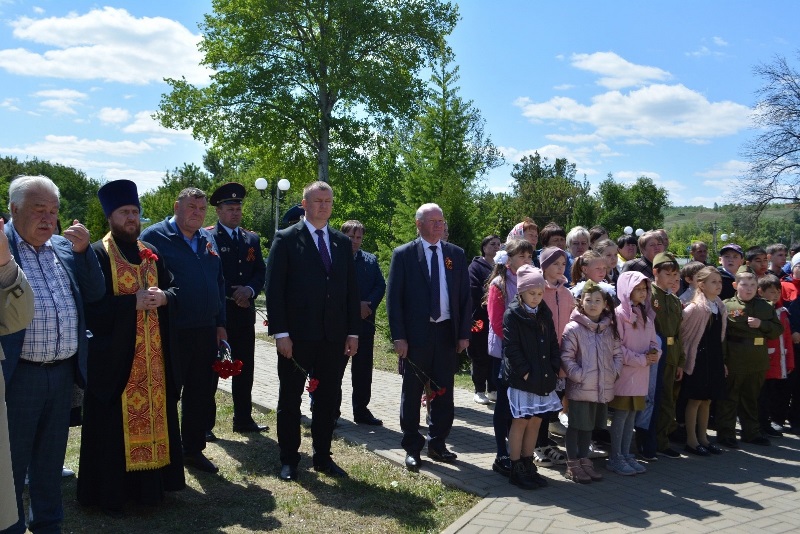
<point x="43" y="361"/>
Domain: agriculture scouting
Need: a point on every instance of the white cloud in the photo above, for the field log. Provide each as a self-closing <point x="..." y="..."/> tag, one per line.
<point x="145" y="180"/>
<point x="616" y="72"/>
<point x="63" y="101"/>
<point x="563" y="87"/>
<point x="654" y="111"/>
<point x="731" y="169"/>
<point x="719" y="41"/>
<point x="113" y="115"/>
<point x="10" y="104"/>
<point x="106" y="44"/>
<point x="38" y="10"/>
<point x="144" y="123"/>
<point x="61" y="147"/>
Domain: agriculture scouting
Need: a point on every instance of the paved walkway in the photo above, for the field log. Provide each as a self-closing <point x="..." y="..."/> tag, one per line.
<point x="749" y="490"/>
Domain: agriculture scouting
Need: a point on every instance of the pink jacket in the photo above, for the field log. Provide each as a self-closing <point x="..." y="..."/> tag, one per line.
<point x="636" y="337"/>
<point x="693" y="325"/>
<point x="591" y="357"/>
<point x="496" y="306"/>
<point x="561" y="302"/>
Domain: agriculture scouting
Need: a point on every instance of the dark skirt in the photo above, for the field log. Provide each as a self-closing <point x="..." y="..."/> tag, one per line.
<point x="707" y="381"/>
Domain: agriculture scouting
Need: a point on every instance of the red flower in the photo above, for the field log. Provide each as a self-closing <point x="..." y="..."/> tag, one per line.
<point x="227" y="368"/>
<point x="211" y="249"/>
<point x="477" y="326"/>
<point x="448" y="263"/>
<point x="147" y="254"/>
<point x="312" y="385"/>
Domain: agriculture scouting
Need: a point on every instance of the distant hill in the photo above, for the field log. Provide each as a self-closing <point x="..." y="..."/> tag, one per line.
<point x="677" y="215"/>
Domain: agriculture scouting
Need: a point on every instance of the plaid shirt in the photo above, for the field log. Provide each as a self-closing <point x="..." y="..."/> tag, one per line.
<point x="53" y="333"/>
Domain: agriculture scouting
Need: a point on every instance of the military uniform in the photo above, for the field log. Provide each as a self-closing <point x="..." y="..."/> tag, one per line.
<point x="747" y="362"/>
<point x="242" y="265"/>
<point x="668" y="310"/>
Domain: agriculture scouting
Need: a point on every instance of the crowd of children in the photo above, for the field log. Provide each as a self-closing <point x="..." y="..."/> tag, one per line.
<point x="583" y="332"/>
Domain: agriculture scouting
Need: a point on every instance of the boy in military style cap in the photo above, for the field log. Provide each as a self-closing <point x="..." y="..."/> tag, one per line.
<point x="668" y="308"/>
<point x="244" y="270"/>
<point x="751" y="320"/>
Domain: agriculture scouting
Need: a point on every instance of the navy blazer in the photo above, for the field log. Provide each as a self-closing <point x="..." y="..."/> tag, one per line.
<point x="247" y="268"/>
<point x="409" y="295"/>
<point x="88" y="285"/>
<point x="304" y="300"/>
<point x="371" y="287"/>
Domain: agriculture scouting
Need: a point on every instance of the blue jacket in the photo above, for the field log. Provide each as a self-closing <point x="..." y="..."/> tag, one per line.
<point x="371" y="287"/>
<point x="198" y="279"/>
<point x="88" y="285"/>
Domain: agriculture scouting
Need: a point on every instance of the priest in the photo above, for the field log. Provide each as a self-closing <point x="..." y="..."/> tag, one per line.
<point x="130" y="439"/>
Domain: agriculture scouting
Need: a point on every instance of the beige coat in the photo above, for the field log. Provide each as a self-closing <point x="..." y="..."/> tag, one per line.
<point x="16" y="313"/>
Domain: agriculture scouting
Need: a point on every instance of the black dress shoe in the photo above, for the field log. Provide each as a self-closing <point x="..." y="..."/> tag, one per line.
<point x="367" y="419"/>
<point x="199" y="461"/>
<point x="331" y="469"/>
<point x="288" y="472"/>
<point x="210" y="436"/>
<point x="413" y="462"/>
<point x="713" y="448"/>
<point x="698" y="451"/>
<point x="442" y="455"/>
<point x="252" y="426"/>
<point x="758" y="440"/>
<point x="731" y="443"/>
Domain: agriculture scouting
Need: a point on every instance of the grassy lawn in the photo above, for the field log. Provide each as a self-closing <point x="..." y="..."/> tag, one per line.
<point x="247" y="496"/>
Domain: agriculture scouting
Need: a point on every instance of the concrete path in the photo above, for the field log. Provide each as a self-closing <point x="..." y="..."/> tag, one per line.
<point x="749" y="490"/>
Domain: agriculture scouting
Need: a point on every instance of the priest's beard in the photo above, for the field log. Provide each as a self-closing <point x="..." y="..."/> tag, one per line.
<point x="126" y="232"/>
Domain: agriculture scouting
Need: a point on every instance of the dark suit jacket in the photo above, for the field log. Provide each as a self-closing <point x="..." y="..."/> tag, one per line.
<point x="302" y="299"/>
<point x="88" y="285"/>
<point x="371" y="287"/>
<point x="409" y="295"/>
<point x="246" y="268"/>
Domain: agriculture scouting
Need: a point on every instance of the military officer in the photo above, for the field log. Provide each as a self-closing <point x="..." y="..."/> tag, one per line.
<point x="244" y="269"/>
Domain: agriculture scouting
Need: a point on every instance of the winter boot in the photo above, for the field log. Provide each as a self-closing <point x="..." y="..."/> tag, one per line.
<point x="576" y="473"/>
<point x="519" y="477"/>
<point x="588" y="468"/>
<point x="533" y="472"/>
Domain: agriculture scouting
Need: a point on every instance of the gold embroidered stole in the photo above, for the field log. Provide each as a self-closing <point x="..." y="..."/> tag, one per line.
<point x="144" y="418"/>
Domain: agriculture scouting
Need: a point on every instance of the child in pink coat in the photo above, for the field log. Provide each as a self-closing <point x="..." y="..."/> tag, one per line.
<point x="640" y="350"/>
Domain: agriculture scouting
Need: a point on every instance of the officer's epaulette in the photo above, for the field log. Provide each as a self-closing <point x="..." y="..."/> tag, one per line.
<point x="211" y="227"/>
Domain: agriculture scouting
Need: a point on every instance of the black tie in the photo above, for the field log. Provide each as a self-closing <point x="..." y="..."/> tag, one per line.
<point x="236" y="240"/>
<point x="436" y="305"/>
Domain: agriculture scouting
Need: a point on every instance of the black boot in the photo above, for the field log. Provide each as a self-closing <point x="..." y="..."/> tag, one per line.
<point x="532" y="472"/>
<point x="519" y="477"/>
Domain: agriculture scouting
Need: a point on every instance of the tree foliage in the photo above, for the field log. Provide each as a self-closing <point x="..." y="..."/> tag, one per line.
<point x="774" y="155"/>
<point x="639" y="205"/>
<point x="446" y="155"/>
<point x="297" y="77"/>
<point x="549" y="192"/>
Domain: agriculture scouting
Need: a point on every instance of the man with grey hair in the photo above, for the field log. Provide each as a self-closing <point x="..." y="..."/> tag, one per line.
<point x="313" y="305"/>
<point x="44" y="360"/>
<point x="198" y="323"/>
<point x="430" y="317"/>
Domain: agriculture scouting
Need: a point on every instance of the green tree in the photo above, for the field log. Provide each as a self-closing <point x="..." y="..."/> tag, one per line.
<point x="447" y="154"/>
<point x="548" y="192"/>
<point x="639" y="205"/>
<point x="298" y="75"/>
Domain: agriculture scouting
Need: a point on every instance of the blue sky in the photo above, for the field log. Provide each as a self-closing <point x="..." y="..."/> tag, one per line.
<point x="658" y="89"/>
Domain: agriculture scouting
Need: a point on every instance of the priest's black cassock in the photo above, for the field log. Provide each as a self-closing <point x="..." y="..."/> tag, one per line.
<point x="103" y="479"/>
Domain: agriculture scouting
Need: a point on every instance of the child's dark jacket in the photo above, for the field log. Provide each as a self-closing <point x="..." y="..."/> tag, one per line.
<point x="530" y="346"/>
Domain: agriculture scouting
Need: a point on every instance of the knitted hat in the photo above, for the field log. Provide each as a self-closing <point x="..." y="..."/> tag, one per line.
<point x="116" y="194"/>
<point x="529" y="277"/>
<point x="549" y="255"/>
<point x="795" y="259"/>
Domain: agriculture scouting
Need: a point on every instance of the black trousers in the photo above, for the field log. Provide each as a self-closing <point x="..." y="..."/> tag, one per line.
<point x="197" y="349"/>
<point x="326" y="362"/>
<point x="478" y="353"/>
<point x="361" y="373"/>
<point x="773" y="403"/>
<point x="242" y="339"/>
<point x="437" y="361"/>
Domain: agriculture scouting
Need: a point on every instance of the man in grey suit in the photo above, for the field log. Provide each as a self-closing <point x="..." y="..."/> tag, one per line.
<point x="313" y="306"/>
<point x="429" y="308"/>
